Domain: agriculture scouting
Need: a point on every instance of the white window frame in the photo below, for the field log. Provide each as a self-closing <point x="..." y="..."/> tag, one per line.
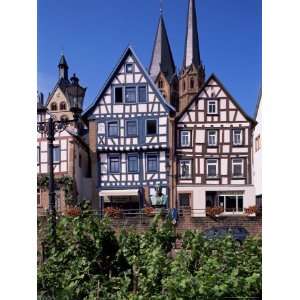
<point x="127" y="67"/>
<point x="212" y="102"/>
<point x="237" y="161"/>
<point x="241" y="137"/>
<point x="216" y="163"/>
<point x="216" y="137"/>
<point x="188" y="163"/>
<point x="187" y="137"/>
<point x="236" y="195"/>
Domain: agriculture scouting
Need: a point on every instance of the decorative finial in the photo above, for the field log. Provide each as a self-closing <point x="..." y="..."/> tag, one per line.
<point x="161" y="7"/>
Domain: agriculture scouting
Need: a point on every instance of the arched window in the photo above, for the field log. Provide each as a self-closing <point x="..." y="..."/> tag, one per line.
<point x="192" y="83"/>
<point x="64" y="118"/>
<point x="160" y="84"/>
<point x="62" y="106"/>
<point x="53" y="106"/>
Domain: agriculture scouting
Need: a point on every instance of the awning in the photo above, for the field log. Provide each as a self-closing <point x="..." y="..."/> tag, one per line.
<point x="133" y="192"/>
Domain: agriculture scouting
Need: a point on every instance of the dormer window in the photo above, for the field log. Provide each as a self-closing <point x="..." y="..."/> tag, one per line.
<point x="53" y="106"/>
<point x="192" y="83"/>
<point x="160" y="84"/>
<point x="62" y="106"/>
<point x="129" y="68"/>
<point x="212" y="108"/>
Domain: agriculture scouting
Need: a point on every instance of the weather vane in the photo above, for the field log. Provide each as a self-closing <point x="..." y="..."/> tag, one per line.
<point x="161" y="7"/>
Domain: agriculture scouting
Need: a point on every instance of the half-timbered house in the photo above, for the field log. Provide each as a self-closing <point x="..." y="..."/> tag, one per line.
<point x="128" y="137"/>
<point x="70" y="153"/>
<point x="213" y="152"/>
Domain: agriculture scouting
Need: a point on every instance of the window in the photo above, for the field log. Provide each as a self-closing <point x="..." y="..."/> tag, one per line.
<point x="212" y="107"/>
<point x="152" y="163"/>
<point x="212" y="138"/>
<point x="237" y="167"/>
<point x="183" y="85"/>
<point x="151" y="127"/>
<point x="131" y="128"/>
<point x="114" y="164"/>
<point x="129" y="68"/>
<point x="160" y="84"/>
<point x="38" y="194"/>
<point x="113" y="129"/>
<point x="118" y="95"/>
<point x="53" y="106"/>
<point x="192" y="83"/>
<point x="142" y="94"/>
<point x="62" y="106"/>
<point x="185" y="138"/>
<point x="38" y="154"/>
<point x="185" y="168"/>
<point x="133" y="163"/>
<point x="130" y="94"/>
<point x="212" y="167"/>
<point x="237" y="137"/>
<point x="56" y="154"/>
<point x="232" y="202"/>
<point x="184" y="200"/>
<point x="257" y="143"/>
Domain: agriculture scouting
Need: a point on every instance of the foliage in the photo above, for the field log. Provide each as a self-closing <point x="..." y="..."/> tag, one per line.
<point x="66" y="182"/>
<point x="251" y="210"/>
<point x="90" y="262"/>
<point x="149" y="211"/>
<point x="113" y="212"/>
<point x="214" y="211"/>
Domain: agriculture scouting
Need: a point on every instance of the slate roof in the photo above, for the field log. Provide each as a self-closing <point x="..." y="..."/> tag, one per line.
<point x="191" y="49"/>
<point x="63" y="61"/>
<point x="162" y="58"/>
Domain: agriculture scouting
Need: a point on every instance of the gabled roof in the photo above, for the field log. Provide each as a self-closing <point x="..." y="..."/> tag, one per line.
<point x="62" y="84"/>
<point x="191" y="49"/>
<point x="215" y="78"/>
<point x="128" y="51"/>
<point x="162" y="58"/>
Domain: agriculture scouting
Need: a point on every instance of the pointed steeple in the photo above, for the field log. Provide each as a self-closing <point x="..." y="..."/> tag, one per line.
<point x="162" y="58"/>
<point x="191" y="51"/>
<point x="63" y="68"/>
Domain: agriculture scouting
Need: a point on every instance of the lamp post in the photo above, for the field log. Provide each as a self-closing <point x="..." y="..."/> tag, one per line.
<point x="75" y="94"/>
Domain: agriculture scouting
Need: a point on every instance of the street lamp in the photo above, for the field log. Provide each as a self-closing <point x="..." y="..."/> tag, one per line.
<point x="75" y="93"/>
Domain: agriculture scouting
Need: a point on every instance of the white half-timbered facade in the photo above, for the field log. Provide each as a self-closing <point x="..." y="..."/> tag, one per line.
<point x="131" y="124"/>
<point x="213" y="152"/>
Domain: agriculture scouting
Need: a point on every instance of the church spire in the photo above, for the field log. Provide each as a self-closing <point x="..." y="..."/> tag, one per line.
<point x="63" y="68"/>
<point x="162" y="58"/>
<point x="191" y="51"/>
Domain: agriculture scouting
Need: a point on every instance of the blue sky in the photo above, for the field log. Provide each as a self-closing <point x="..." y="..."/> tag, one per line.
<point x="94" y="33"/>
